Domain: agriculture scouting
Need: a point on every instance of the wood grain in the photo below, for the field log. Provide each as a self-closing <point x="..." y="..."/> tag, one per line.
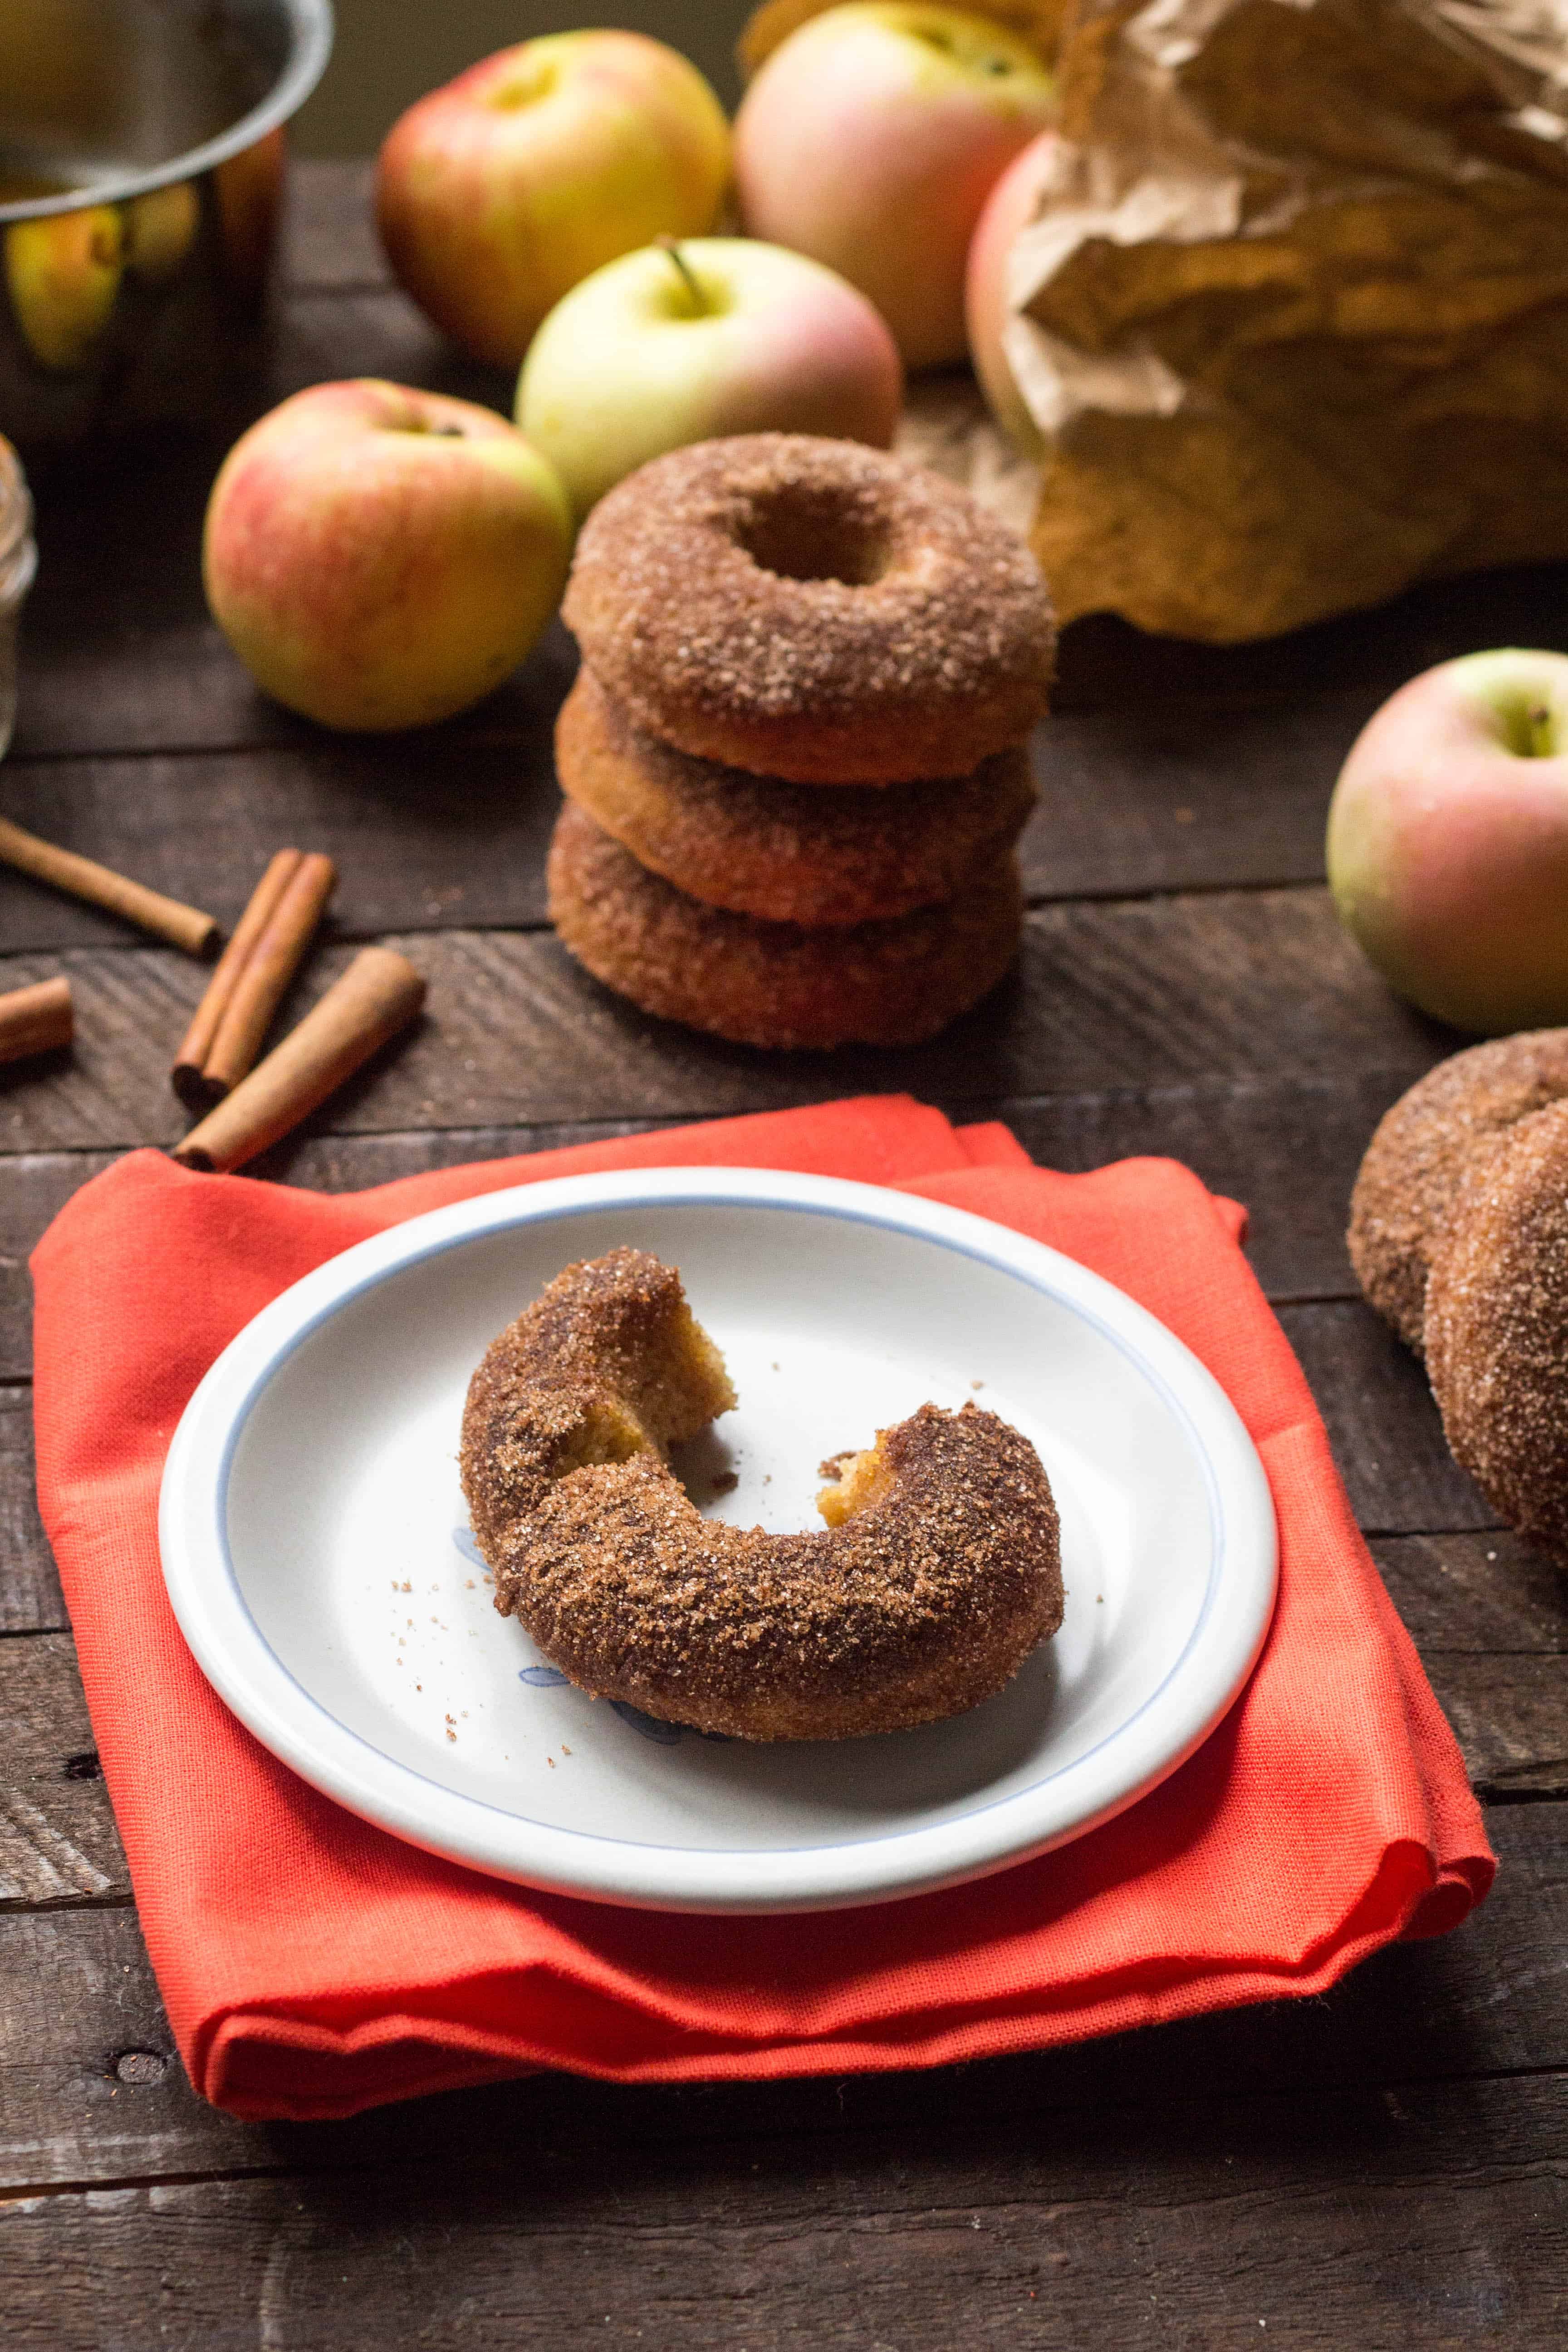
<point x="59" y="1844"/>
<point x="30" y="1597"/>
<point x="1481" y="1592"/>
<point x="1384" y="1428"/>
<point x="1424" y="2218"/>
<point x="1143" y="994"/>
<point x="438" y="828"/>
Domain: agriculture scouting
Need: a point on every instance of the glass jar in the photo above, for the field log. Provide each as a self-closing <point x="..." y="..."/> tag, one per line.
<point x="18" y="562"/>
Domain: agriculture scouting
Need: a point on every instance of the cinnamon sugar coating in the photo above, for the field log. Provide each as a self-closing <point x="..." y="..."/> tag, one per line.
<point x="1417" y="1158"/>
<point x="812" y="610"/>
<point x="1497" y="1326"/>
<point x="921" y="1602"/>
<point x="777" y="984"/>
<point x="788" y="853"/>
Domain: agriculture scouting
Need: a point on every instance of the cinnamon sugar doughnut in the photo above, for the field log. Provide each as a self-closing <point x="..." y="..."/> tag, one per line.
<point x="1497" y="1325"/>
<point x="813" y="610"/>
<point x="762" y="983"/>
<point x="940" y="1571"/>
<point x="790" y="853"/>
<point x="1417" y="1156"/>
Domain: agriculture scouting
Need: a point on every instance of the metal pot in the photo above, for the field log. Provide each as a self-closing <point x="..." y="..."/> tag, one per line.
<point x="140" y="178"/>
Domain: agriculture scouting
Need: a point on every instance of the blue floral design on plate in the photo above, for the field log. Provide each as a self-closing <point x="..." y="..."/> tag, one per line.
<point x="464" y="1539"/>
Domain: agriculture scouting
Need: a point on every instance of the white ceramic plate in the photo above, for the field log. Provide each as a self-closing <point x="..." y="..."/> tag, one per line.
<point x="317" y="1552"/>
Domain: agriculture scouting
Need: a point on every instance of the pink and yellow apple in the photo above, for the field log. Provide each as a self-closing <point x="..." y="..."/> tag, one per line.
<point x="379" y="558"/>
<point x="987" y="305"/>
<point x="688" y="341"/>
<point x="1447" y="841"/>
<point x="870" y="140"/>
<point x="497" y="193"/>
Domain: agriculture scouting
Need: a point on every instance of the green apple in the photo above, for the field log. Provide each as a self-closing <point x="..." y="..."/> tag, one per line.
<point x="871" y="138"/>
<point x="499" y="191"/>
<point x="379" y="558"/>
<point x="689" y="342"/>
<point x="1447" y="842"/>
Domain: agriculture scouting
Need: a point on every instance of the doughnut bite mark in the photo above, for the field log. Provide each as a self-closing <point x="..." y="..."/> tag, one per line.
<point x="1497" y="1326"/>
<point x="789" y="853"/>
<point x="1417" y="1156"/>
<point x="812" y="610"/>
<point x="938" y="1574"/>
<point x="777" y="984"/>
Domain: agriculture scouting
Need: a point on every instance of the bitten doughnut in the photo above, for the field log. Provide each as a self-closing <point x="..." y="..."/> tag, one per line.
<point x="777" y="984"/>
<point x="789" y="853"/>
<point x="813" y="610"/>
<point x="1497" y="1326"/>
<point x="1417" y="1158"/>
<point x="939" y="1572"/>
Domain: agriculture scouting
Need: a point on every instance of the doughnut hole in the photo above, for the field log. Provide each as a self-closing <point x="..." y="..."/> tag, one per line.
<point x="860" y="1481"/>
<point x="797" y="537"/>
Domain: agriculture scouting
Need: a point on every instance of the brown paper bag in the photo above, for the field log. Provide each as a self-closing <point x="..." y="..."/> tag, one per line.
<point x="1293" y="315"/>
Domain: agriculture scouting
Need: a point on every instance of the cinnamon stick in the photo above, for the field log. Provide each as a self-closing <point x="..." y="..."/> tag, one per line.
<point x="253" y="973"/>
<point x="82" y="878"/>
<point x="34" y="1019"/>
<point x="185" y="1077"/>
<point x="378" y="995"/>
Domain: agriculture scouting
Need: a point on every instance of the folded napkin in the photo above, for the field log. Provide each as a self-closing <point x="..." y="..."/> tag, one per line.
<point x="313" y="1965"/>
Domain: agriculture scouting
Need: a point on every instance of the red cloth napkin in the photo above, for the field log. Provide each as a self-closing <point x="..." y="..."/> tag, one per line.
<point x="313" y="1966"/>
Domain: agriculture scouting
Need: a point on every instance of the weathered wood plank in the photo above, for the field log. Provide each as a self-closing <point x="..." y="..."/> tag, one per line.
<point x="1385" y="1427"/>
<point x="1488" y="1592"/>
<point x="1287" y="1146"/>
<point x="438" y="828"/>
<point x="1169" y="795"/>
<point x="1146" y="993"/>
<point x="1427" y="2219"/>
<point x="425" y="832"/>
<point x="1510" y="1716"/>
<point x="31" y="1601"/>
<point x="58" y="1843"/>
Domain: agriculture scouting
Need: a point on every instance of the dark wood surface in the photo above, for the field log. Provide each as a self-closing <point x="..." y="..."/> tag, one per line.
<point x="1384" y="2168"/>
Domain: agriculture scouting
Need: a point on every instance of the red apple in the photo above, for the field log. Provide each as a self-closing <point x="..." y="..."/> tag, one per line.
<point x="379" y="558"/>
<point x="870" y="140"/>
<point x="1449" y="841"/>
<point x="686" y="342"/>
<point x="987" y="292"/>
<point x="497" y="193"/>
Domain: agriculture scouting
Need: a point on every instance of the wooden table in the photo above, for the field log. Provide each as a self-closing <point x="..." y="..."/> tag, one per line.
<point x="1381" y="2168"/>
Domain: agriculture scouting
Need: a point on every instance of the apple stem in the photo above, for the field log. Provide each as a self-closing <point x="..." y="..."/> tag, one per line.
<point x="1540" y="743"/>
<point x="668" y="244"/>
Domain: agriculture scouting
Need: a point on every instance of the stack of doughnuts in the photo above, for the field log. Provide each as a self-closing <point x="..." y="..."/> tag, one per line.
<point x="793" y="759"/>
<point x="1460" y="1236"/>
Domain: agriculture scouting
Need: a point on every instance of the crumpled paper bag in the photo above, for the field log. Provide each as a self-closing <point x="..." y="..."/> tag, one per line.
<point x="1293" y="313"/>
